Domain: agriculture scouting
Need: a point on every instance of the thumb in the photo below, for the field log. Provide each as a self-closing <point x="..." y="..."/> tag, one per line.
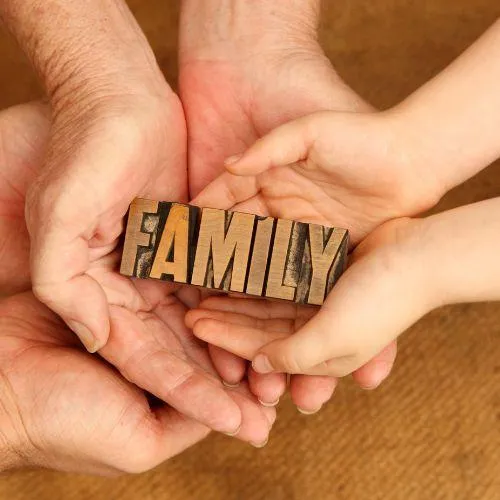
<point x="68" y="233"/>
<point x="286" y="144"/>
<point x="377" y="298"/>
<point x="60" y="258"/>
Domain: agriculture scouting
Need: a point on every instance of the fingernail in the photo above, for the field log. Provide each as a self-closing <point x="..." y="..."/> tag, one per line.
<point x="260" y="445"/>
<point x="379" y="374"/>
<point x="231" y="386"/>
<point x="271" y="418"/>
<point x="308" y="412"/>
<point x="261" y="364"/>
<point x="232" y="159"/>
<point x="85" y="335"/>
<point x="269" y="405"/>
<point x="232" y="434"/>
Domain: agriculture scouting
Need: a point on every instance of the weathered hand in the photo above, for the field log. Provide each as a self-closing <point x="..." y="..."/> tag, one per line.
<point x="24" y="133"/>
<point x="148" y="343"/>
<point x="239" y="79"/>
<point x="62" y="408"/>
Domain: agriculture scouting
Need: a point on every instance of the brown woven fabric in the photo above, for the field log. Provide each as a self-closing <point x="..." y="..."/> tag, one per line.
<point x="433" y="430"/>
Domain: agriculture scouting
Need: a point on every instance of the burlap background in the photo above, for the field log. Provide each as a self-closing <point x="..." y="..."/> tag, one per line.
<point x="433" y="430"/>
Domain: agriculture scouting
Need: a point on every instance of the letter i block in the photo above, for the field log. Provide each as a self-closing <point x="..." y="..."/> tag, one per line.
<point x="233" y="252"/>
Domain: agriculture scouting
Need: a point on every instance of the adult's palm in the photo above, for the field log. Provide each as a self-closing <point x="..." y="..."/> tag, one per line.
<point x="148" y="343"/>
<point x="65" y="409"/>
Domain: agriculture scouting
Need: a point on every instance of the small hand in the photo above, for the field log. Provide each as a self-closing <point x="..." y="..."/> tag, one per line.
<point x="335" y="169"/>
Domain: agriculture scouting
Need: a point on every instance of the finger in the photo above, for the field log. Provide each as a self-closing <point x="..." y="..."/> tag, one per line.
<point x="226" y="191"/>
<point x="310" y="393"/>
<point x="258" y="420"/>
<point x="373" y="373"/>
<point x="60" y="233"/>
<point x="289" y="143"/>
<point x="258" y="308"/>
<point x="168" y="374"/>
<point x="275" y="325"/>
<point x="243" y="341"/>
<point x="374" y="301"/>
<point x="267" y="388"/>
<point x="231" y="368"/>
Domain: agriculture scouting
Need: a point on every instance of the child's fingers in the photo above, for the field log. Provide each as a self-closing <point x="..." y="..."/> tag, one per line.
<point x="258" y="308"/>
<point x="242" y="340"/>
<point x="226" y="191"/>
<point x="376" y="300"/>
<point x="280" y="325"/>
<point x="287" y="144"/>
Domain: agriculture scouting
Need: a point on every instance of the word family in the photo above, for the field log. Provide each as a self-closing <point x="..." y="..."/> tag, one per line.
<point x="233" y="251"/>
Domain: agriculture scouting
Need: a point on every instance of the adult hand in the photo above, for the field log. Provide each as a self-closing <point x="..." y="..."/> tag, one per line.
<point x="251" y="68"/>
<point x="64" y="409"/>
<point x="149" y="343"/>
<point x="60" y="407"/>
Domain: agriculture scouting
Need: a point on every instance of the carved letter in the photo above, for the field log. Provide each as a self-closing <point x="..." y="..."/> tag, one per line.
<point x="227" y="251"/>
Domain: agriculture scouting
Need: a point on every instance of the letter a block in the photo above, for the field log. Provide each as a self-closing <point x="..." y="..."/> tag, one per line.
<point x="233" y="251"/>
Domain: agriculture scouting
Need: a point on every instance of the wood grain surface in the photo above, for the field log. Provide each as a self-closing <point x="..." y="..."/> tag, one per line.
<point x="233" y="251"/>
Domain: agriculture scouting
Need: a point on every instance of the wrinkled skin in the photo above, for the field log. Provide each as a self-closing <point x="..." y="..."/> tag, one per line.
<point x="149" y="344"/>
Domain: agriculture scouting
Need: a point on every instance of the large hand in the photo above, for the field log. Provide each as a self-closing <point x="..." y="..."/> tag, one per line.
<point x="24" y="133"/>
<point x="241" y="76"/>
<point x="62" y="408"/>
<point x="149" y="343"/>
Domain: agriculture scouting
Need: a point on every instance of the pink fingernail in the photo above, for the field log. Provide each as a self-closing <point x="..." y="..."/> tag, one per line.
<point x="260" y="445"/>
<point x="261" y="364"/>
<point x="232" y="159"/>
<point x="308" y="412"/>
<point x="379" y="373"/>
<point x="269" y="405"/>
<point x="231" y="386"/>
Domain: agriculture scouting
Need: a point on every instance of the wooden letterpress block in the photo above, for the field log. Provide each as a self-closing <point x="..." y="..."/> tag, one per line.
<point x="159" y="241"/>
<point x="324" y="260"/>
<point x="140" y="238"/>
<point x="284" y="271"/>
<point x="264" y="228"/>
<point x="233" y="251"/>
<point x="223" y="249"/>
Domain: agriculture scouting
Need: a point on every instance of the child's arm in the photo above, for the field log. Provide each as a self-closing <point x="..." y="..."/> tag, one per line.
<point x="437" y="138"/>
<point x="451" y="125"/>
<point x="402" y="271"/>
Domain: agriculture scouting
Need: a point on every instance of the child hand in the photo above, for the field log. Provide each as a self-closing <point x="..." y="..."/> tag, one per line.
<point x="327" y="184"/>
<point x="402" y="271"/>
<point x="379" y="296"/>
<point x="344" y="169"/>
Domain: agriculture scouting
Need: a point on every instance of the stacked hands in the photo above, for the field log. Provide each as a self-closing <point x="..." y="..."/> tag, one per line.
<point x="253" y="83"/>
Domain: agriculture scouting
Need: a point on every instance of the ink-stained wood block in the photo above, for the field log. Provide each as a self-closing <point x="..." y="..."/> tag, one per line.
<point x="233" y="251"/>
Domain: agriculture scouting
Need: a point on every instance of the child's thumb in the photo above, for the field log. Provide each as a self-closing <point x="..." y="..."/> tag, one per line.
<point x="286" y="144"/>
